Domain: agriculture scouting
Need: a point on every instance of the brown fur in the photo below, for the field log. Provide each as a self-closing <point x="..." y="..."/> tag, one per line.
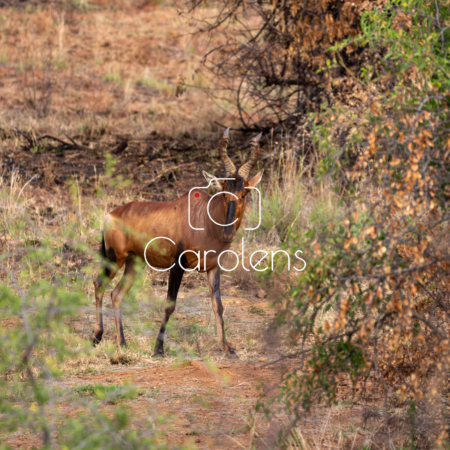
<point x="129" y="228"/>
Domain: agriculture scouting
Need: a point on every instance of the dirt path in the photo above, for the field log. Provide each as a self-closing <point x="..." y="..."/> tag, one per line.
<point x="210" y="405"/>
<point x="206" y="401"/>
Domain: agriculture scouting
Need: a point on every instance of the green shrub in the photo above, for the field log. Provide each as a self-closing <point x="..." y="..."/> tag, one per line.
<point x="374" y="298"/>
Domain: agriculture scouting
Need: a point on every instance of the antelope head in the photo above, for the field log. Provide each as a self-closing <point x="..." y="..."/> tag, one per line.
<point x="235" y="189"/>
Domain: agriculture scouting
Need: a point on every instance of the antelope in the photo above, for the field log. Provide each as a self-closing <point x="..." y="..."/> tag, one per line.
<point x="128" y="230"/>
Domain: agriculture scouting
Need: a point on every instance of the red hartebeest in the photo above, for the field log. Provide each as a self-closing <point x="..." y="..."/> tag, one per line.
<point x="182" y="245"/>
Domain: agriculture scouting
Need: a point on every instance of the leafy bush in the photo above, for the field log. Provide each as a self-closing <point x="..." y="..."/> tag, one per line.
<point x="374" y="302"/>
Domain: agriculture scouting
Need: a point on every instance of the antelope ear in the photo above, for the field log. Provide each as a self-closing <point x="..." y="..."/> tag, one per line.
<point x="213" y="181"/>
<point x="256" y="179"/>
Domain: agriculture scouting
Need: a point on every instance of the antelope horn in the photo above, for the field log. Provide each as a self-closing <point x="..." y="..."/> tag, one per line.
<point x="226" y="161"/>
<point x="244" y="171"/>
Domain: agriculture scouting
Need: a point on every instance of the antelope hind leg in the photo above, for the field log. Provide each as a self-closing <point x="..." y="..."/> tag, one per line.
<point x="118" y="295"/>
<point x="100" y="285"/>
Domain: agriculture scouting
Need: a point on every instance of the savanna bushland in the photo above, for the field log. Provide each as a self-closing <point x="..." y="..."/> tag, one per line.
<point x="108" y="101"/>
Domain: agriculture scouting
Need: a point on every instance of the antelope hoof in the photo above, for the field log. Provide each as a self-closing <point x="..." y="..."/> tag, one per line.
<point x="159" y="353"/>
<point x="230" y="352"/>
<point x="96" y="339"/>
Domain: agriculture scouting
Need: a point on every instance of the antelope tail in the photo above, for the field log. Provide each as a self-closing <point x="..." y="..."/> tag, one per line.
<point x="103" y="248"/>
<point x="107" y="256"/>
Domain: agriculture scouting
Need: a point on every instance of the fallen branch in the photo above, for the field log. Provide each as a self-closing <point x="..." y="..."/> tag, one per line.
<point x="77" y="146"/>
<point x="25" y="135"/>
<point x="34" y="142"/>
<point x="120" y="148"/>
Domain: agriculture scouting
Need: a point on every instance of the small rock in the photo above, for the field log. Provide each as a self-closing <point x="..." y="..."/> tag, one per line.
<point x="263" y="359"/>
<point x="261" y="293"/>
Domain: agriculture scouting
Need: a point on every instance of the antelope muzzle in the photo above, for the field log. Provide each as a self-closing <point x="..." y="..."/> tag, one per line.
<point x="229" y="231"/>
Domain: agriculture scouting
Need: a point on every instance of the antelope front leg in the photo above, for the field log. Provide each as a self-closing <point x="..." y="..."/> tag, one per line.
<point x="216" y="303"/>
<point x="175" y="277"/>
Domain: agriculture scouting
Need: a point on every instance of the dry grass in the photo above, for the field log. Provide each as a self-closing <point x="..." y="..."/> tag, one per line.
<point x="105" y="70"/>
<point x="291" y="202"/>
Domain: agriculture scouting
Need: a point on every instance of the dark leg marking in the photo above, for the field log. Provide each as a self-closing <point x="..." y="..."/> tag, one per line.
<point x="175" y="277"/>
